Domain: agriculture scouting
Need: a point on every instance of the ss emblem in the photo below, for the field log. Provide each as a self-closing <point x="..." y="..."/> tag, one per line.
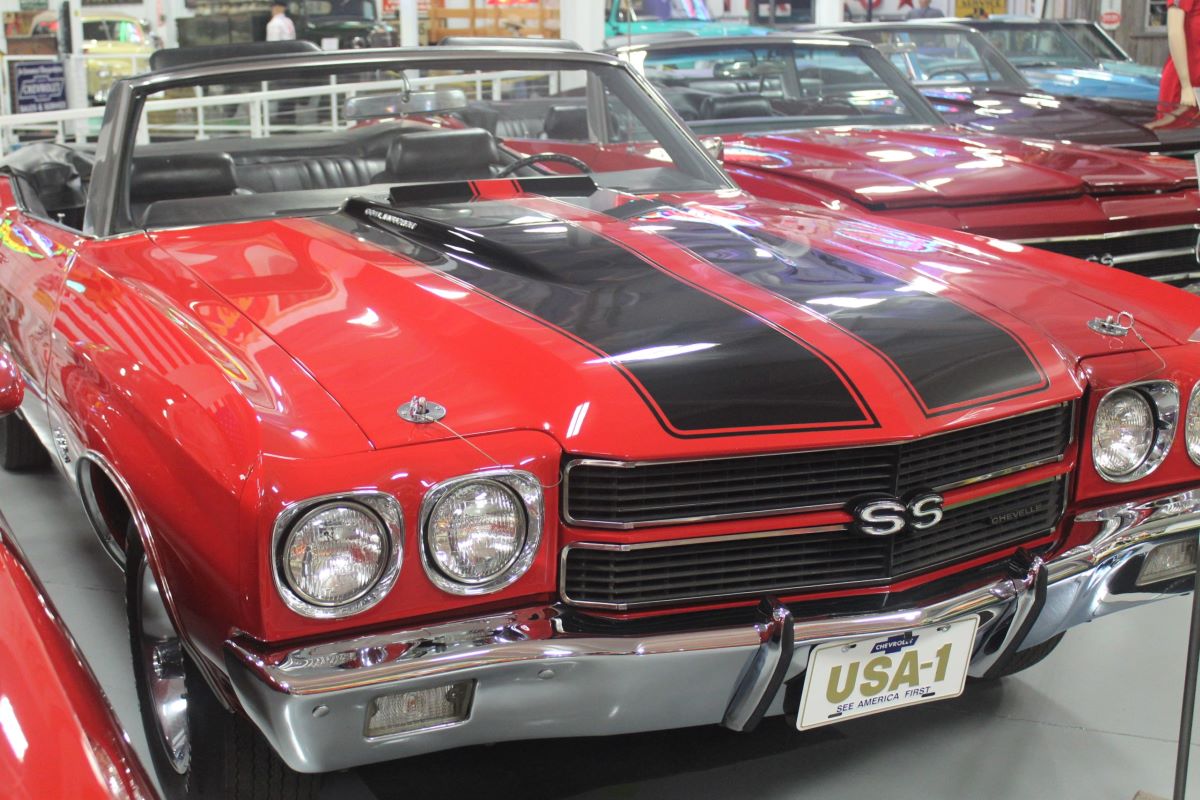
<point x="884" y="515"/>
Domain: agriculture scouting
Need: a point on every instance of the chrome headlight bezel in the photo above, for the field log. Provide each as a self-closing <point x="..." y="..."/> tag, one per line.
<point x="1193" y="447"/>
<point x="528" y="490"/>
<point x="385" y="508"/>
<point x="1163" y="399"/>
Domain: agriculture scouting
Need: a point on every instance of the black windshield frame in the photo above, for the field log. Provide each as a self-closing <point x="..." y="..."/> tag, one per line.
<point x="108" y="210"/>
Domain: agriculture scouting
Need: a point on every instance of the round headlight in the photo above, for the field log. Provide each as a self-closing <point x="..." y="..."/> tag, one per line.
<point x="1191" y="427"/>
<point x="476" y="531"/>
<point x="1124" y="433"/>
<point x="335" y="554"/>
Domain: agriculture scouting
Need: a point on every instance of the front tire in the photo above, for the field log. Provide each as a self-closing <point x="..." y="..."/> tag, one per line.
<point x="200" y="751"/>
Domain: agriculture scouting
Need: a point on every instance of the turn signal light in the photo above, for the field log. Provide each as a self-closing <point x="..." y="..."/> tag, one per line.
<point x="420" y="709"/>
<point x="1168" y="561"/>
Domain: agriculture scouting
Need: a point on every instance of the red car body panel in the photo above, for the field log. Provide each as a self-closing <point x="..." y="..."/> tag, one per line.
<point x="989" y="185"/>
<point x="58" y="735"/>
<point x="213" y="368"/>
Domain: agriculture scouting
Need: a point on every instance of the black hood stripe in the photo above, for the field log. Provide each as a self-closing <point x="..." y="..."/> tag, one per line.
<point x="948" y="357"/>
<point x="704" y="366"/>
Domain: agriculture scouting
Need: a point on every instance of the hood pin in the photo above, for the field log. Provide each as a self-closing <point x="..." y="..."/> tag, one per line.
<point x="1120" y="325"/>
<point x="421" y="410"/>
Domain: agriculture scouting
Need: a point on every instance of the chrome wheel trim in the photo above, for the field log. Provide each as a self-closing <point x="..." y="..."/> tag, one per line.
<point x="162" y="665"/>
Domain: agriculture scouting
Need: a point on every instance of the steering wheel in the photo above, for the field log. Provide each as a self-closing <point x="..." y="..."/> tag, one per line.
<point x="947" y="71"/>
<point x="529" y="161"/>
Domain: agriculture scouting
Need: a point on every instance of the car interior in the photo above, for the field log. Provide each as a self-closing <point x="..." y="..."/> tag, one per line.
<point x="54" y="177"/>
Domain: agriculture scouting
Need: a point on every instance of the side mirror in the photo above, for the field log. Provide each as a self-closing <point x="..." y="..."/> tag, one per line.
<point x="715" y="147"/>
<point x="12" y="385"/>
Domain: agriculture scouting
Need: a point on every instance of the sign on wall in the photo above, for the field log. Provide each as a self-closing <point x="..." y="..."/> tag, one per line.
<point x="38" y="86"/>
<point x="980" y="9"/>
<point x="1110" y="14"/>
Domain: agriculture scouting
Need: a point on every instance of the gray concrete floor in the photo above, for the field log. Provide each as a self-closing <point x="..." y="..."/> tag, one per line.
<point x="1096" y="720"/>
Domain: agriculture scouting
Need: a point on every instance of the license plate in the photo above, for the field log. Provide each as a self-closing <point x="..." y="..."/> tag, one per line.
<point x="847" y="680"/>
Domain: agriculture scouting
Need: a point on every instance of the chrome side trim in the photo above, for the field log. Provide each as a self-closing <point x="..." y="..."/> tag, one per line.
<point x="1150" y="255"/>
<point x="528" y="488"/>
<point x="1177" y="276"/>
<point x="775" y="512"/>
<point x="378" y="504"/>
<point x="1110" y="235"/>
<point x="634" y="546"/>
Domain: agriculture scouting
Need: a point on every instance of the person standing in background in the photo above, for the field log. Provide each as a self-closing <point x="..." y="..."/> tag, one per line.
<point x="1183" y="64"/>
<point x="922" y="10"/>
<point x="280" y="28"/>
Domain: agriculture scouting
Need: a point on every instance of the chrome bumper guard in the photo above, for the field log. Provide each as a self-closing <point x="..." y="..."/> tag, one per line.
<point x="535" y="679"/>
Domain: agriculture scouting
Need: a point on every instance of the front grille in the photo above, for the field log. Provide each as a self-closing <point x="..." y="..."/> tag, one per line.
<point x="1153" y="253"/>
<point x="632" y="495"/>
<point x="786" y="562"/>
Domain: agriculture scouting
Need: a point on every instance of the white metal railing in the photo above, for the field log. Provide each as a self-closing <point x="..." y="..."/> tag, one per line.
<point x="192" y="116"/>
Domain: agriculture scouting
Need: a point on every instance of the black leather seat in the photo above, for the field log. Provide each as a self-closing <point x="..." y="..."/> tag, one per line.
<point x="567" y="124"/>
<point x="735" y="106"/>
<point x="321" y="172"/>
<point x="178" y="177"/>
<point x="442" y="155"/>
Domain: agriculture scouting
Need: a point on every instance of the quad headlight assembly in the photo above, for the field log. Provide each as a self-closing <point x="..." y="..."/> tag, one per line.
<point x="1191" y="426"/>
<point x="480" y="532"/>
<point x="1134" y="428"/>
<point x="338" y="555"/>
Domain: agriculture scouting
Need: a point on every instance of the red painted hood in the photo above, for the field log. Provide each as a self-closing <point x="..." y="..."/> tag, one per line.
<point x="905" y="168"/>
<point x="631" y="328"/>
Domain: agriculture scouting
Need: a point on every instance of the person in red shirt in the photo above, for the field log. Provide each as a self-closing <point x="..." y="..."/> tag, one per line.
<point x="1183" y="65"/>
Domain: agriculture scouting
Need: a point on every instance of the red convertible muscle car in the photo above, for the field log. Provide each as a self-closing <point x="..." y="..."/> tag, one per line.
<point x="58" y="735"/>
<point x="407" y="443"/>
<point x="826" y="120"/>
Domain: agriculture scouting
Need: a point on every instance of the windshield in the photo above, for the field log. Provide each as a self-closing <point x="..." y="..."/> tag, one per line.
<point x="353" y="9"/>
<point x="785" y="86"/>
<point x="666" y="10"/>
<point x="1094" y="41"/>
<point x="270" y="146"/>
<point x="1038" y="46"/>
<point x="936" y="57"/>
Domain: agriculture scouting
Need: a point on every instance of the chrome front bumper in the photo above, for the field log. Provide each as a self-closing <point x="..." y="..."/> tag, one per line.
<point x="535" y="678"/>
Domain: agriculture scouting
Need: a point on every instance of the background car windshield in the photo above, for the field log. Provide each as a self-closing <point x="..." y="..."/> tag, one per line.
<point x="781" y="87"/>
<point x="939" y="57"/>
<point x="1038" y="46"/>
<point x="354" y="9"/>
<point x="1093" y="41"/>
<point x="670" y="9"/>
<point x="279" y="141"/>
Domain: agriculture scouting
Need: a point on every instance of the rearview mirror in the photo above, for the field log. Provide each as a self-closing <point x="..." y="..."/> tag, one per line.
<point x="12" y="385"/>
<point x="381" y="106"/>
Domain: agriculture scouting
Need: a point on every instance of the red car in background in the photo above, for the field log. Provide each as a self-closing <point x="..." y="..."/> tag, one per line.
<point x="59" y="737"/>
<point x="829" y="121"/>
<point x="407" y="442"/>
